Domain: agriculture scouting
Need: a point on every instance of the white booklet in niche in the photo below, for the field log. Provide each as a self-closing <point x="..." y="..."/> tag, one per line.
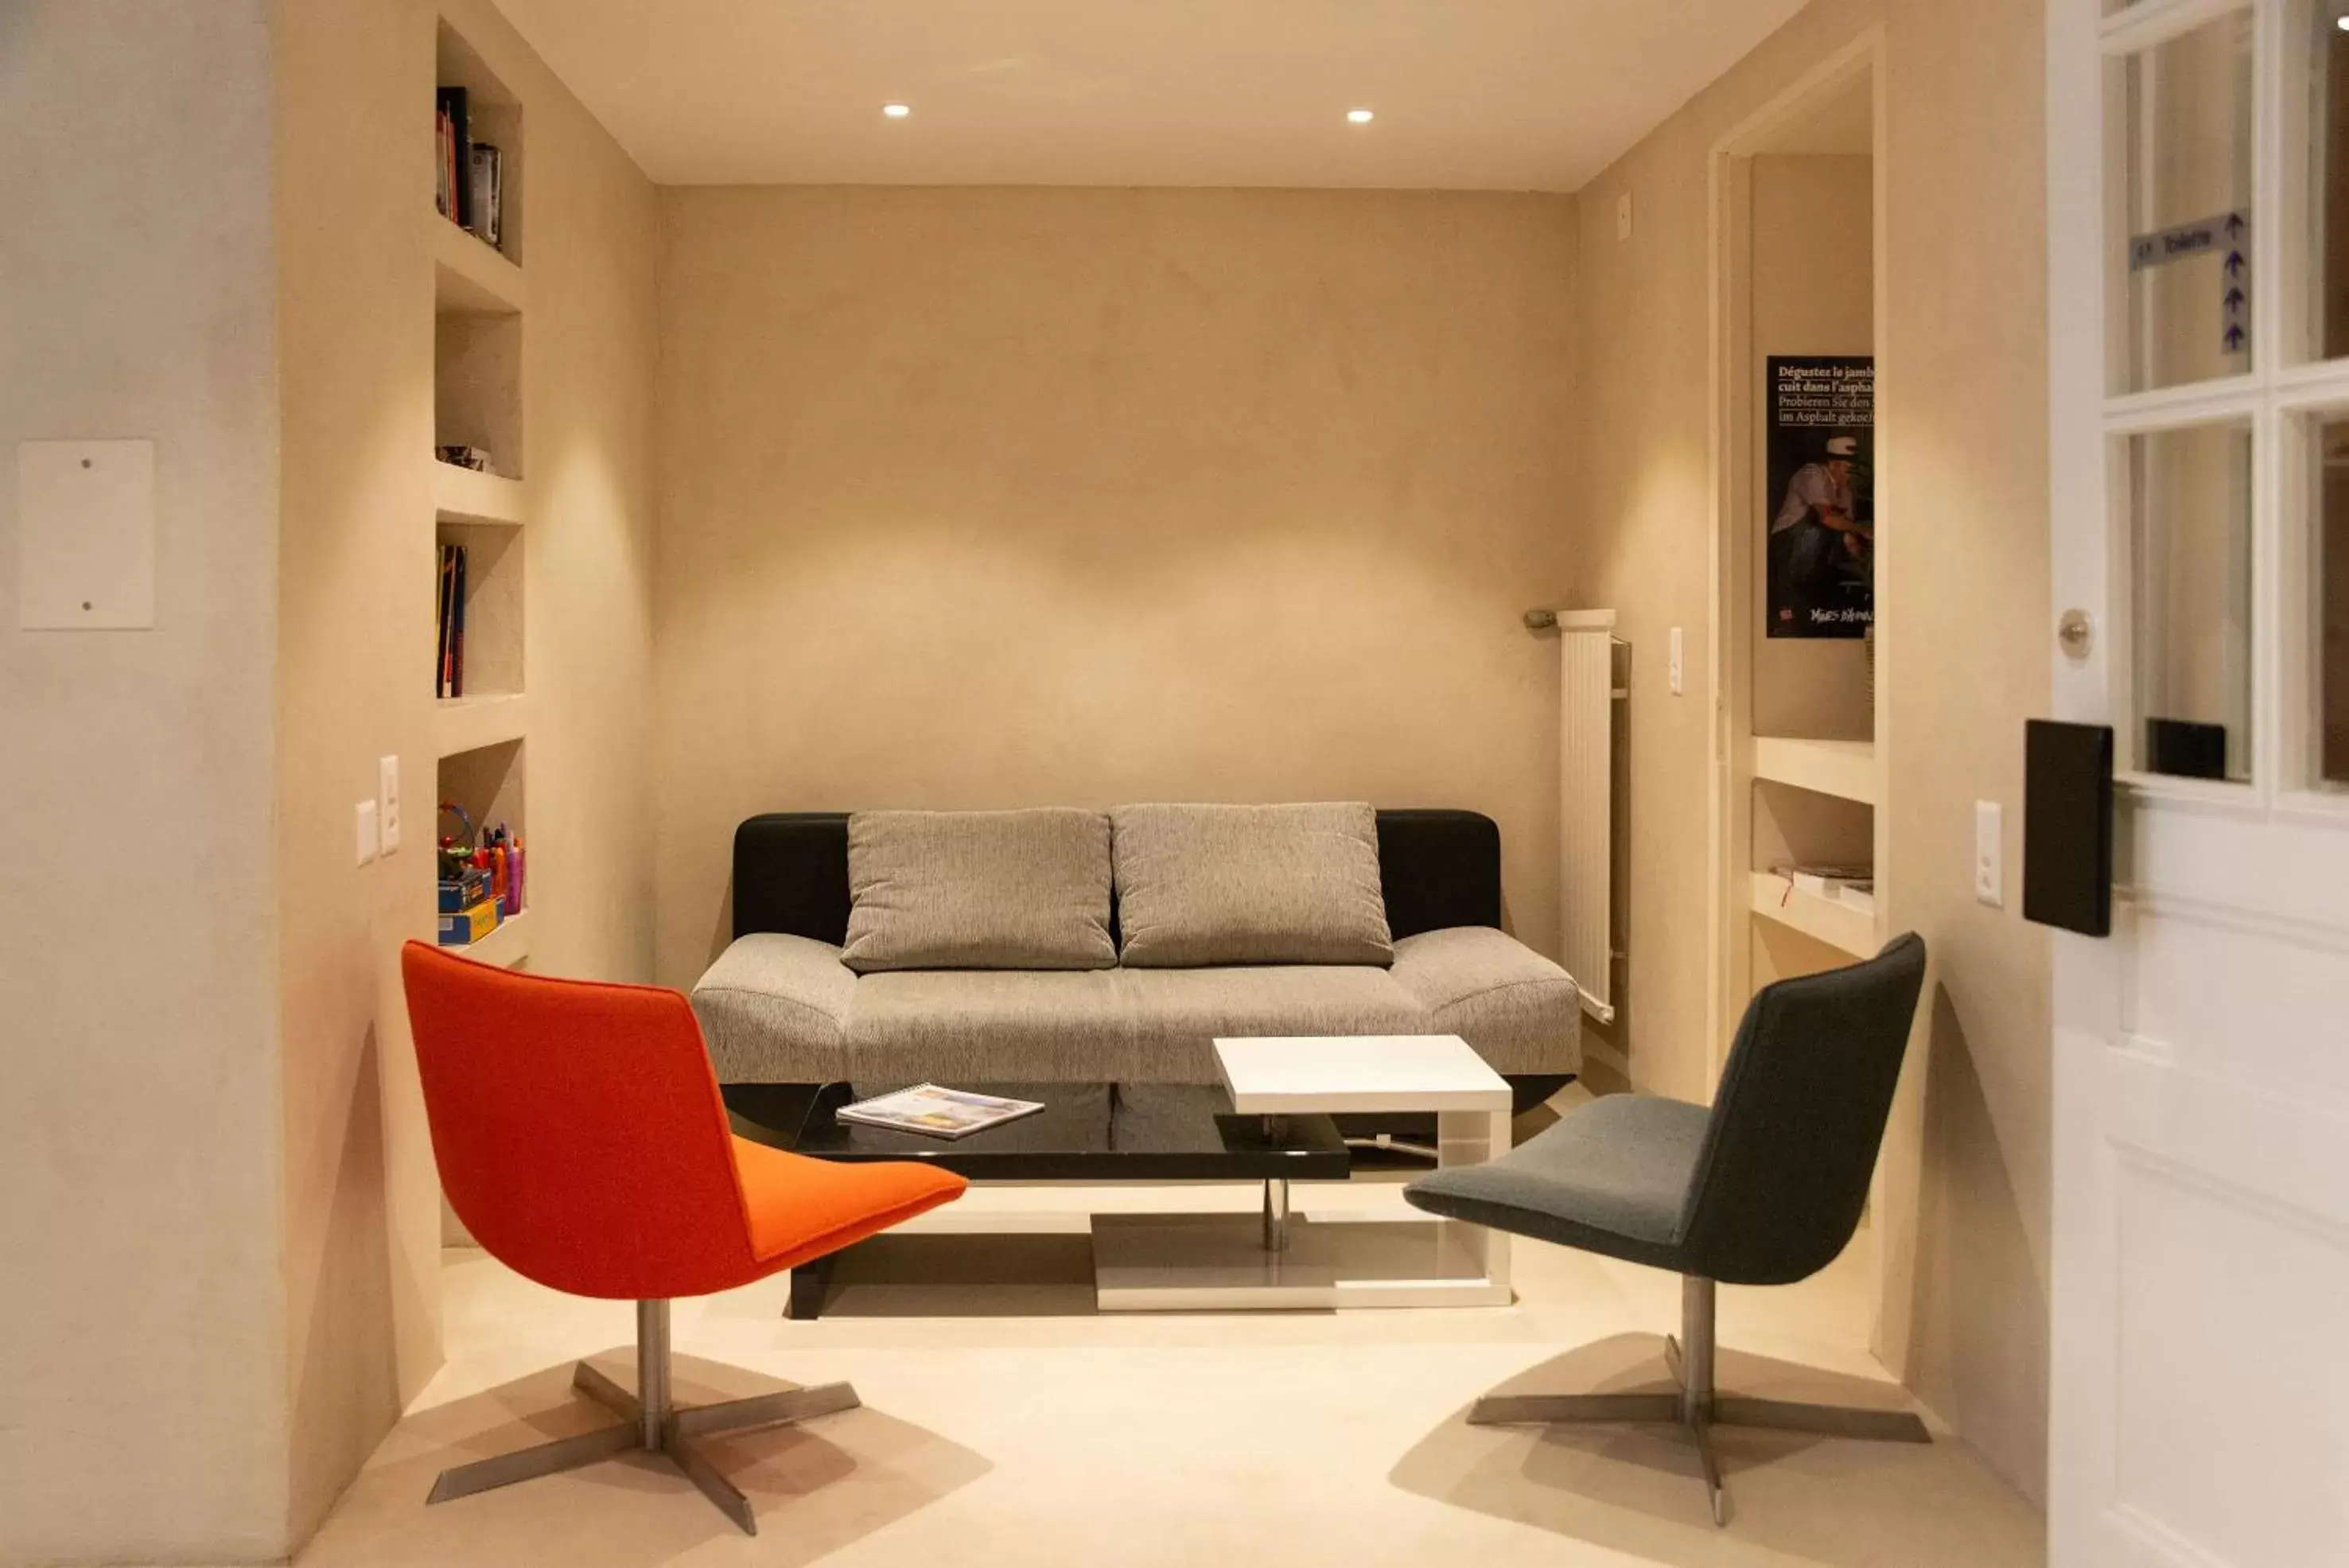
<point x="937" y="1112"/>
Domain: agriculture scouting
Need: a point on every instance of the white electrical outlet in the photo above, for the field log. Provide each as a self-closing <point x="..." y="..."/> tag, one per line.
<point x="1623" y="216"/>
<point x="1679" y="663"/>
<point x="370" y="841"/>
<point x="387" y="795"/>
<point x="1990" y="854"/>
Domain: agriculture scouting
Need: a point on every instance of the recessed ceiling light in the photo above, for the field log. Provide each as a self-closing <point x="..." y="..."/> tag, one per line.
<point x="1360" y="115"/>
<point x="2341" y="23"/>
<point x="896" y="110"/>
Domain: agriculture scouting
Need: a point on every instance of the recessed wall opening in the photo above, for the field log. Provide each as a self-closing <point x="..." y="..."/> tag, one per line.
<point x="1796" y="270"/>
<point x="493" y="129"/>
<point x="1799" y="746"/>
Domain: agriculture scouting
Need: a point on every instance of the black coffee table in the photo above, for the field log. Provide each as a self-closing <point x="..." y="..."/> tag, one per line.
<point x="1089" y="1132"/>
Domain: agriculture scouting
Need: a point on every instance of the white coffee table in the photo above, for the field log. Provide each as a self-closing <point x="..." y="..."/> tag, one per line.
<point x="1159" y="1262"/>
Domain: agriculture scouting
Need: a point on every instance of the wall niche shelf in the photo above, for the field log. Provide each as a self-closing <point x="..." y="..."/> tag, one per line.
<point x="505" y="947"/>
<point x="1823" y="920"/>
<point x="493" y="608"/>
<point x="480" y="739"/>
<point x="469" y="276"/>
<point x="1844" y="769"/>
<point x="470" y="723"/>
<point x="464" y="495"/>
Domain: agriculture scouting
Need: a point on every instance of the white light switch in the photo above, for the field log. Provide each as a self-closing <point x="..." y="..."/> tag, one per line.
<point x="1990" y="854"/>
<point x="368" y="839"/>
<point x="86" y="535"/>
<point x="387" y="795"/>
<point x="1679" y="663"/>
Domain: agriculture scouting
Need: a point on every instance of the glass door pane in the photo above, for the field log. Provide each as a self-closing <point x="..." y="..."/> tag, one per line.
<point x="2328" y="82"/>
<point x="2190" y="567"/>
<point x="2331" y="649"/>
<point x="2182" y="114"/>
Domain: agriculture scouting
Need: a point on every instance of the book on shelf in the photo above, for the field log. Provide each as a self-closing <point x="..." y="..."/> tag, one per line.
<point x="1826" y="881"/>
<point x="486" y="192"/>
<point x="1860" y="896"/>
<point x="469" y="186"/>
<point x="936" y="1112"/>
<point x="448" y="641"/>
<point x="454" y="196"/>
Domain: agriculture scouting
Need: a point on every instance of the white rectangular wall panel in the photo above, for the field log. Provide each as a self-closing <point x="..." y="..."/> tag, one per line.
<point x="1586" y="804"/>
<point x="86" y="534"/>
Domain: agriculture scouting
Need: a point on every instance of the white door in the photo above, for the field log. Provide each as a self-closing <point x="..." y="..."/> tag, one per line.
<point x="2199" y="207"/>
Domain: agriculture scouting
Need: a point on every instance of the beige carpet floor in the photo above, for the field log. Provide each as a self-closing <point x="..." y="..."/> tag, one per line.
<point x="1005" y="1422"/>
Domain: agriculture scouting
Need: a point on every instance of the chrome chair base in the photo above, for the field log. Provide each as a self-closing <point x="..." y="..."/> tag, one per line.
<point x="1696" y="1408"/>
<point x="653" y="1423"/>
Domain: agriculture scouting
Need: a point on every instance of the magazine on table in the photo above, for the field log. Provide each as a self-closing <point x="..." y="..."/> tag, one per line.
<point x="937" y="1112"/>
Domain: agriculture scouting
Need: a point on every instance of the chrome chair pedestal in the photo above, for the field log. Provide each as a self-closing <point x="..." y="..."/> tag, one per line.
<point x="1696" y="1408"/>
<point x="651" y="1422"/>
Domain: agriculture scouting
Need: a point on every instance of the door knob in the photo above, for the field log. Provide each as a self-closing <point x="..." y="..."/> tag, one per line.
<point x="2076" y="633"/>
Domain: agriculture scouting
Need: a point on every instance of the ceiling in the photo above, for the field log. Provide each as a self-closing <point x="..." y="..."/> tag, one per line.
<point x="1469" y="94"/>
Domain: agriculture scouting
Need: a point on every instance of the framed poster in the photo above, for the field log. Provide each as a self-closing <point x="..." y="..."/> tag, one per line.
<point x="1819" y="513"/>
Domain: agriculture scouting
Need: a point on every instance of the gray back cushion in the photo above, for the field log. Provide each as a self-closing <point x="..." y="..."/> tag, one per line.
<point x="1250" y="884"/>
<point x="979" y="889"/>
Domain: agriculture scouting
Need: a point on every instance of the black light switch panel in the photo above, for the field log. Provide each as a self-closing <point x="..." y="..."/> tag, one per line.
<point x="2067" y="827"/>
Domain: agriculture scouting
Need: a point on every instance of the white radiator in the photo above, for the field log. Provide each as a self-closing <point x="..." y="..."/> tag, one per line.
<point x="1586" y="780"/>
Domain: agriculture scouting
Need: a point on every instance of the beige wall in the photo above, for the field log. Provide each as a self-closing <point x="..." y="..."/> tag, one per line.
<point x="1963" y="656"/>
<point x="990" y="497"/>
<point x="361" y="1201"/>
<point x="142" y="1320"/>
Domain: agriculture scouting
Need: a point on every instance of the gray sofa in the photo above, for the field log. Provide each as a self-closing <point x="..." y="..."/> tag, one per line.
<point x="785" y="1002"/>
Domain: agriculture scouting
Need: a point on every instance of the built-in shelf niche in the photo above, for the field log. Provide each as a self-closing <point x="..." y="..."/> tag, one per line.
<point x="493" y="605"/>
<point x="1844" y="769"/>
<point x="477" y="293"/>
<point x="488" y="781"/>
<point x="469" y="724"/>
<point x="477" y="387"/>
<point x="1796" y="826"/>
<point x="1827" y="920"/>
<point x="469" y="277"/>
<point x="496" y="119"/>
<point x="462" y="495"/>
<point x="508" y="947"/>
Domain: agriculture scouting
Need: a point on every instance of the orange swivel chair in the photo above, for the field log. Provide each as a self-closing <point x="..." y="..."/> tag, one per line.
<point x="582" y="1140"/>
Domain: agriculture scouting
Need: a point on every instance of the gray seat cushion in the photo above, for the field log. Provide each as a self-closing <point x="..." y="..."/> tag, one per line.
<point x="785" y="1010"/>
<point x="1522" y="1012"/>
<point x="1177" y="1014"/>
<point x="1201" y="884"/>
<point x="979" y="889"/>
<point x="1613" y="1178"/>
<point x="774" y="1010"/>
<point x="991" y="1026"/>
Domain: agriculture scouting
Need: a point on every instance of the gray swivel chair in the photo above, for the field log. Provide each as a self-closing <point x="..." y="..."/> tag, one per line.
<point x="1765" y="1188"/>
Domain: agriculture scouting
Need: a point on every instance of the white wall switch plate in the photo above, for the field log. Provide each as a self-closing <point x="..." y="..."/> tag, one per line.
<point x="387" y="796"/>
<point x="1679" y="670"/>
<point x="1623" y="216"/>
<point x="1990" y="854"/>
<point x="86" y="535"/>
<point x="370" y="841"/>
